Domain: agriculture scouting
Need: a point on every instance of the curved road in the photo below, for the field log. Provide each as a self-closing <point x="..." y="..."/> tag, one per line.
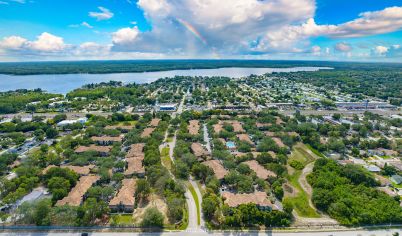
<point x="193" y="225"/>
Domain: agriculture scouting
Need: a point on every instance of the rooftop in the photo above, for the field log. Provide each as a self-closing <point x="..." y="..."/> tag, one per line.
<point x="147" y="132"/>
<point x="234" y="200"/>
<point x="74" y="198"/>
<point x="198" y="150"/>
<point x="259" y="169"/>
<point x="154" y="122"/>
<point x="107" y="139"/>
<point x="134" y="158"/>
<point x="217" y="167"/>
<point x="194" y="127"/>
<point x="104" y="149"/>
<point x="125" y="196"/>
<point x="245" y="137"/>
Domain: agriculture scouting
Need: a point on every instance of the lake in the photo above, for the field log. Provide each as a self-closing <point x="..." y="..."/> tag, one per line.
<point x="63" y="83"/>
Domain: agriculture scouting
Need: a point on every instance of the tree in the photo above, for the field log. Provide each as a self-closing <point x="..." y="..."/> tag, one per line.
<point x="175" y="209"/>
<point x="41" y="213"/>
<point x="51" y="133"/>
<point x="91" y="210"/>
<point x="152" y="218"/>
<point x="210" y="203"/>
<point x="243" y="169"/>
<point x="336" y="116"/>
<point x="181" y="170"/>
<point x="143" y="190"/>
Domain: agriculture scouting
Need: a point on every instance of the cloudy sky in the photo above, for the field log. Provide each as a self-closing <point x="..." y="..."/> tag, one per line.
<point x="358" y="30"/>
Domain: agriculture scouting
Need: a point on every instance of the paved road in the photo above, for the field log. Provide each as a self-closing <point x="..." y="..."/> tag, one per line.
<point x="186" y="233"/>
<point x="192" y="207"/>
<point x="206" y="138"/>
<point x="199" y="195"/>
<point x="346" y="113"/>
<point x="192" y="213"/>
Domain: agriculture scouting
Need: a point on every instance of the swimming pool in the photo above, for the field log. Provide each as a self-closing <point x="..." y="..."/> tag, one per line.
<point x="230" y="145"/>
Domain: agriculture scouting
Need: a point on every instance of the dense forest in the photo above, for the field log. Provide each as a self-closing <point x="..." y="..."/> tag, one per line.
<point x="103" y="67"/>
<point x="348" y="195"/>
<point x="15" y="101"/>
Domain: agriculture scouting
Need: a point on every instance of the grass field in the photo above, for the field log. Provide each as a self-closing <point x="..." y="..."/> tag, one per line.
<point x="166" y="161"/>
<point x="301" y="201"/>
<point x="122" y="219"/>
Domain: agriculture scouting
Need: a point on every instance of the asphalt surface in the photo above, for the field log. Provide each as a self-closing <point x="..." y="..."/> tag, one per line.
<point x="202" y="233"/>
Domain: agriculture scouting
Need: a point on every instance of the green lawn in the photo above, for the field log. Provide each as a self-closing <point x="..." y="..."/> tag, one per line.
<point x="122" y="219"/>
<point x="315" y="151"/>
<point x="166" y="161"/>
<point x="197" y="202"/>
<point x="301" y="201"/>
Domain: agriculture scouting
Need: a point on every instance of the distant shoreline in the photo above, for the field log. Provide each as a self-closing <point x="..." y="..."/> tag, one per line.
<point x="64" y="83"/>
<point x="139" y="66"/>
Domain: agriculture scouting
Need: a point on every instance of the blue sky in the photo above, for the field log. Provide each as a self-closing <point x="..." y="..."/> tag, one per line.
<point x="358" y="30"/>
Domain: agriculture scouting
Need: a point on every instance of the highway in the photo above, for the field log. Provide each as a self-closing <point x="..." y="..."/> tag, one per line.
<point x="344" y="112"/>
<point x="219" y="233"/>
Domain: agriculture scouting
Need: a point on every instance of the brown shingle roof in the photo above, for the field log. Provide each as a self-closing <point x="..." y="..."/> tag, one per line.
<point x="245" y="137"/>
<point x="279" y="121"/>
<point x="279" y="142"/>
<point x="107" y="139"/>
<point x="134" y="158"/>
<point x="237" y="126"/>
<point x="218" y="128"/>
<point x="269" y="133"/>
<point x="259" y="169"/>
<point x="198" y="150"/>
<point x="104" y="149"/>
<point x="147" y="132"/>
<point x="74" y="198"/>
<point x="125" y="196"/>
<point x="234" y="200"/>
<point x="217" y="167"/>
<point x="262" y="125"/>
<point x="194" y="127"/>
<point x="121" y="127"/>
<point x="154" y="122"/>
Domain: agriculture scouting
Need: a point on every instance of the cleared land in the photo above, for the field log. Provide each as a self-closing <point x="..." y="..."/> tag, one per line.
<point x="301" y="199"/>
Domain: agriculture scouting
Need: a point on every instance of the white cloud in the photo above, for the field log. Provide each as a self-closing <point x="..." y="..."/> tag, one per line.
<point x="380" y="50"/>
<point x="91" y="49"/>
<point x="286" y="38"/>
<point x="104" y="14"/>
<point x="12" y="43"/>
<point x="316" y="50"/>
<point x="85" y="24"/>
<point x="125" y="36"/>
<point x="207" y="26"/>
<point x="343" y="47"/>
<point x="371" y="23"/>
<point x="246" y="26"/>
<point x="46" y="43"/>
<point x="204" y="28"/>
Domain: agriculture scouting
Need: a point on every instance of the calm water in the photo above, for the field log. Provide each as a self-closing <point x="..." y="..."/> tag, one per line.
<point x="66" y="82"/>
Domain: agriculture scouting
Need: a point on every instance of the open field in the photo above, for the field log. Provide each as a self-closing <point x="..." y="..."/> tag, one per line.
<point x="301" y="202"/>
